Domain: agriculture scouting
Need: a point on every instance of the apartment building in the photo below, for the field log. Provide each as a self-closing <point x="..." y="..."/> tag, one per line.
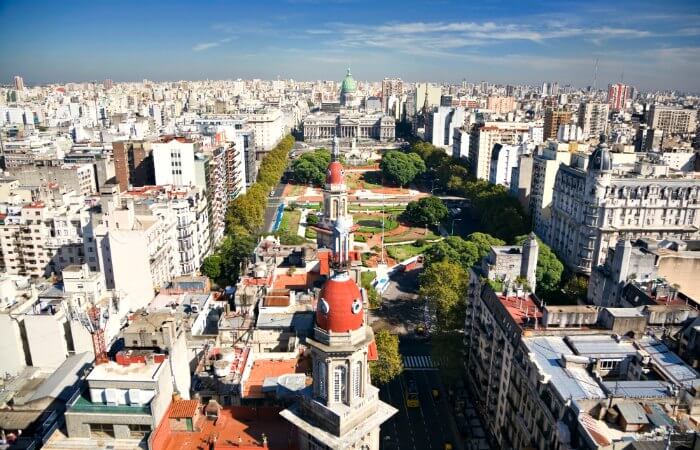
<point x="40" y="238"/>
<point x="441" y="124"/>
<point x="485" y="137"/>
<point x="136" y="251"/>
<point x="553" y="119"/>
<point x="133" y="164"/>
<point x="594" y="204"/>
<point x="563" y="376"/>
<point x="593" y="118"/>
<point x="77" y="177"/>
<point x="545" y="166"/>
<point x="173" y="161"/>
<point x="674" y="120"/>
<point x="268" y="128"/>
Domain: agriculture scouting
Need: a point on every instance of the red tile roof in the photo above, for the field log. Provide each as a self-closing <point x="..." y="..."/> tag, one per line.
<point x="265" y="368"/>
<point x="183" y="409"/>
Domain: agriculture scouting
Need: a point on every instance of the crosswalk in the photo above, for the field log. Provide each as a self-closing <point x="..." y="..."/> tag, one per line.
<point x="419" y="362"/>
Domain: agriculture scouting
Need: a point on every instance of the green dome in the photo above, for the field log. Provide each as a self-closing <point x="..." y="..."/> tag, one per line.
<point x="349" y="84"/>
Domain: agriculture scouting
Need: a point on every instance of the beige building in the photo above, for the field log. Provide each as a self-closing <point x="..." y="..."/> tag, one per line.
<point x="593" y="118"/>
<point x="672" y="119"/>
<point x="484" y="137"/>
<point x="545" y="166"/>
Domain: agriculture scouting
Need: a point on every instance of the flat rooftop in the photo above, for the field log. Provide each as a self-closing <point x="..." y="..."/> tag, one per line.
<point x="263" y="369"/>
<point x="111" y="371"/>
<point x="574" y="382"/>
<point x="601" y="346"/>
<point x="237" y="427"/>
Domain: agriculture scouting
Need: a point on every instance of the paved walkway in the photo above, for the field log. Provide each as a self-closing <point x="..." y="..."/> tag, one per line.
<point x="301" y="231"/>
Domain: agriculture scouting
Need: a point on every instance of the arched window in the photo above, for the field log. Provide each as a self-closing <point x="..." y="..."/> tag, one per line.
<point x="340" y="378"/>
<point x="357" y="380"/>
<point x="321" y="377"/>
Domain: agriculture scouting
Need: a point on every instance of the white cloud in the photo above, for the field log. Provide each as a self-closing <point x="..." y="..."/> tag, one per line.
<point x="207" y="45"/>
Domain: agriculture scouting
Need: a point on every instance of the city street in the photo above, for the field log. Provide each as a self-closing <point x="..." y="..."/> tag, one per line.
<point x="436" y="421"/>
<point x="273" y="203"/>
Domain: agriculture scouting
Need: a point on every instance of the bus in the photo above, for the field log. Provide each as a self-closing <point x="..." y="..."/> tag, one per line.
<point x="411" y="392"/>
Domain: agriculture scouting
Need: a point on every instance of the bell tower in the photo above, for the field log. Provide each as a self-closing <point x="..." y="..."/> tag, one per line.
<point x="341" y="409"/>
<point x="335" y="226"/>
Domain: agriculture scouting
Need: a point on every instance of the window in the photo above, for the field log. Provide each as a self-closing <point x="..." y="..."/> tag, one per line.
<point x="357" y="380"/>
<point x="101" y="430"/>
<point x="339" y="383"/>
<point x="321" y="374"/>
<point x="139" y="431"/>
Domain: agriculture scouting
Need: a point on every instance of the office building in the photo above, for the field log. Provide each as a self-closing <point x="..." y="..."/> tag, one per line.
<point x="19" y="83"/>
<point x="500" y="105"/>
<point x="545" y="166"/>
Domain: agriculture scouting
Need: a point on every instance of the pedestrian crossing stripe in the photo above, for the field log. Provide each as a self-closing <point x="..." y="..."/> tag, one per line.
<point x="419" y="362"/>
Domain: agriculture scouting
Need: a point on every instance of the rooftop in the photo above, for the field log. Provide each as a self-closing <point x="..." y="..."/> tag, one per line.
<point x="112" y="371"/>
<point x="572" y="382"/>
<point x="236" y="427"/>
<point x="263" y="369"/>
<point x="524" y="310"/>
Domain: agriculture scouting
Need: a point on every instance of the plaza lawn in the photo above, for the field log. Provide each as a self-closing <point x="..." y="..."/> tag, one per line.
<point x="290" y="222"/>
<point x="372" y="223"/>
<point x="405" y="251"/>
<point x="364" y="180"/>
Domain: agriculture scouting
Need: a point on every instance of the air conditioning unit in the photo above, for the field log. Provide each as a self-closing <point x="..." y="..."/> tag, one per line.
<point x="111" y="396"/>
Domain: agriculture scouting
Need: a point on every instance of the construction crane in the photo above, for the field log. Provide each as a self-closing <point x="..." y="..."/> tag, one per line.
<point x="98" y="335"/>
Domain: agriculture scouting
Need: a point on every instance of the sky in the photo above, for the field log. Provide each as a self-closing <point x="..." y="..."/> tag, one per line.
<point x="649" y="44"/>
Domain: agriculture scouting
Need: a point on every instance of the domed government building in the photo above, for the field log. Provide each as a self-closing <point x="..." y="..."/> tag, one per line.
<point x="348" y="117"/>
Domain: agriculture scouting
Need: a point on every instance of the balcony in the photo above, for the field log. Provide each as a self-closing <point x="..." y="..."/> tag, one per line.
<point x="83" y="404"/>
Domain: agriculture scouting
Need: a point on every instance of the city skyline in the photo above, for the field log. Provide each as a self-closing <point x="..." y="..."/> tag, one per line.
<point x="310" y="40"/>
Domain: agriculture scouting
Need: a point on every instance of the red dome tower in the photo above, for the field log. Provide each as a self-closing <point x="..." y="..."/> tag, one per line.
<point x="339" y="308"/>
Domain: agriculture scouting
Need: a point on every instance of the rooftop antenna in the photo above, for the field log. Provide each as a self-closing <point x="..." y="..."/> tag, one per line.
<point x="622" y="76"/>
<point x="595" y="76"/>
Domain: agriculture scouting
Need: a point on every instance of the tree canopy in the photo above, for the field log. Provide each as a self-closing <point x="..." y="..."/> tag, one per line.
<point x="426" y="211"/>
<point x="311" y="167"/>
<point x="466" y="252"/>
<point x="401" y="168"/>
<point x="389" y="363"/>
<point x="444" y="285"/>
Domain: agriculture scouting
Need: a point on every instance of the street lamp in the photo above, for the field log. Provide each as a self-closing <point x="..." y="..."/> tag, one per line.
<point x="452" y="232"/>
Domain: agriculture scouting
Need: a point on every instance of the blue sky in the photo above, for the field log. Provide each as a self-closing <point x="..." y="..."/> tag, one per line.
<point x="656" y="44"/>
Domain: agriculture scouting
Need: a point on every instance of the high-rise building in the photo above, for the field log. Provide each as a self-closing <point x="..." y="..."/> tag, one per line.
<point x="108" y="84"/>
<point x="500" y="104"/>
<point x="485" y="136"/>
<point x="618" y="94"/>
<point x="593" y="118"/>
<point x="552" y="119"/>
<point x="19" y="83"/>
<point x="133" y="164"/>
<point x="441" y="123"/>
<point x="672" y="120"/>
<point x="544" y="171"/>
<point x="391" y="87"/>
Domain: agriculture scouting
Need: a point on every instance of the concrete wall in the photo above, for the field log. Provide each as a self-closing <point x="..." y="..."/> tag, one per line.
<point x="46" y="338"/>
<point x="11" y="348"/>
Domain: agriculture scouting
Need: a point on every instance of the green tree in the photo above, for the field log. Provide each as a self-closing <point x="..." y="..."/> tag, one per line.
<point x="211" y="266"/>
<point x="444" y="285"/>
<point x="426" y="211"/>
<point x="388" y="364"/>
<point x="235" y="248"/>
<point x="447" y="349"/>
<point x="549" y="270"/>
<point x="466" y="252"/>
<point x="401" y="168"/>
<point x="575" y="289"/>
<point x="311" y="218"/>
<point x="311" y="167"/>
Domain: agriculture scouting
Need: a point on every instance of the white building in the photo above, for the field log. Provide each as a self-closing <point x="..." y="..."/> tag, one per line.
<point x="173" y="162"/>
<point x="485" y="137"/>
<point x="268" y="128"/>
<point x="441" y="123"/>
<point x="593" y="118"/>
<point x="503" y="159"/>
<point x="545" y="166"/>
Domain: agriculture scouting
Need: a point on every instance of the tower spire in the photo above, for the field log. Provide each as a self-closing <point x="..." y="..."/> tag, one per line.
<point x="335" y="155"/>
